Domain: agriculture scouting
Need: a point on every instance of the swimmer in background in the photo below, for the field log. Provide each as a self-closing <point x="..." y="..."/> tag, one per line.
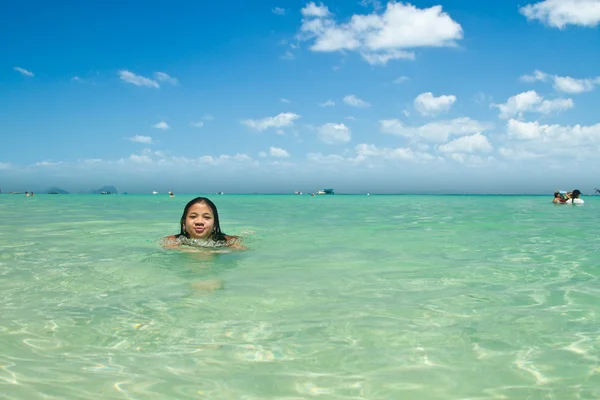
<point x="574" y="197"/>
<point x="200" y="221"/>
<point x="171" y="194"/>
<point x="558" y="198"/>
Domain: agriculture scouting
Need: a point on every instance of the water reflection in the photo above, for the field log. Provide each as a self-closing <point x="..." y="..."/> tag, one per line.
<point x="203" y="267"/>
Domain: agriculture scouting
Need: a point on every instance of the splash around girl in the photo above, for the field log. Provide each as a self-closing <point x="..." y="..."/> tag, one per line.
<point x="200" y="226"/>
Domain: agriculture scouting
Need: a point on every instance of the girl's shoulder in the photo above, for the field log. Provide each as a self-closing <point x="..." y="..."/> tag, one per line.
<point x="170" y="242"/>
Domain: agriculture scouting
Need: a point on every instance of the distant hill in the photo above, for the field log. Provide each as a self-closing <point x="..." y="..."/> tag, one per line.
<point x="56" y="190"/>
<point x="110" y="189"/>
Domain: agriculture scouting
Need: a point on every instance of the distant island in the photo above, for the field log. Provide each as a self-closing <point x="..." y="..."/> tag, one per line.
<point x="105" y="190"/>
<point x="56" y="190"/>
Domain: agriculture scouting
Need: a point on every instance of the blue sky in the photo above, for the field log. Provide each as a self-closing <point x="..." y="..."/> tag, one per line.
<point x="277" y="96"/>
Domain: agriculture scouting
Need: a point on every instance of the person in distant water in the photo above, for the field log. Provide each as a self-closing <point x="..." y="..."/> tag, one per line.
<point x="574" y="198"/>
<point x="200" y="221"/>
<point x="560" y="197"/>
<point x="27" y="194"/>
<point x="171" y="194"/>
<point x="557" y="198"/>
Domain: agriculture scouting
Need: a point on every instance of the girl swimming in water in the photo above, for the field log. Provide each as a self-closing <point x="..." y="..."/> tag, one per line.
<point x="199" y="226"/>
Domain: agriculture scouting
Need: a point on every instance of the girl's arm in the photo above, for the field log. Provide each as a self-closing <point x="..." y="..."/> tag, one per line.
<point x="232" y="241"/>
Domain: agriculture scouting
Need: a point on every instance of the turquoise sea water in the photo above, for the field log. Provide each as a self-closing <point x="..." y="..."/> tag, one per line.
<point x="338" y="297"/>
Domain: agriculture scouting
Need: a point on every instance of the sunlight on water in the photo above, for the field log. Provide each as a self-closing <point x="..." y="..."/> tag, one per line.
<point x="338" y="297"/>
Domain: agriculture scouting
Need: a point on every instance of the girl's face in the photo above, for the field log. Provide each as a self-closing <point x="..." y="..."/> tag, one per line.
<point x="199" y="221"/>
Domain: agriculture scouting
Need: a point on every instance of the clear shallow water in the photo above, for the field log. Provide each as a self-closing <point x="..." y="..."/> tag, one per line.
<point x="339" y="297"/>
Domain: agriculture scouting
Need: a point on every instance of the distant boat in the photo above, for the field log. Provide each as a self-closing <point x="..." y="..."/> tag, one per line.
<point x="325" y="191"/>
<point x="154" y="192"/>
<point x="104" y="192"/>
<point x="220" y="193"/>
<point x="297" y="192"/>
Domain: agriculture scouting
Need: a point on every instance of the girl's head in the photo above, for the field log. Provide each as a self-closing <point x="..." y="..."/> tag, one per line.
<point x="200" y="220"/>
<point x="576" y="194"/>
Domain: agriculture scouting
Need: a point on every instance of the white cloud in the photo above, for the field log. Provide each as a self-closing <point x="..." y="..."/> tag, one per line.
<point x="161" y="125"/>
<point x="328" y="159"/>
<point x="279" y="121"/>
<point x="570" y="85"/>
<point x="47" y="163"/>
<point x="467" y="144"/>
<point x="523" y="130"/>
<point x="355" y="101"/>
<point x="141" y="139"/>
<point x="526" y="101"/>
<point x="237" y="157"/>
<point x="376" y="4"/>
<point x="5" y="165"/>
<point x="278" y="10"/>
<point x="549" y="106"/>
<point x="531" y="102"/>
<point x="328" y="103"/>
<point x="288" y="56"/>
<point x="482" y="98"/>
<point x="23" y="71"/>
<point x="149" y="157"/>
<point x="437" y="131"/>
<point x="200" y="124"/>
<point x="285" y="101"/>
<point x="384" y="57"/>
<point x="401" y="79"/>
<point x="380" y="36"/>
<point x="401" y="153"/>
<point x="312" y="10"/>
<point x="140" y="159"/>
<point x="518" y="154"/>
<point x="560" y="13"/>
<point x="537" y="76"/>
<point x="262" y="154"/>
<point x="138" y="80"/>
<point x="334" y="133"/>
<point x="556" y="134"/>
<point x="528" y="140"/>
<point x="429" y="105"/>
<point x="161" y="76"/>
<point x="471" y="160"/>
<point x="564" y="84"/>
<point x="92" y="161"/>
<point x="278" y="152"/>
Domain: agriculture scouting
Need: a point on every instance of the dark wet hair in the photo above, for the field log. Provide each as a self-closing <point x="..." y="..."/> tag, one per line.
<point x="557" y="194"/>
<point x="216" y="234"/>
<point x="576" y="193"/>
